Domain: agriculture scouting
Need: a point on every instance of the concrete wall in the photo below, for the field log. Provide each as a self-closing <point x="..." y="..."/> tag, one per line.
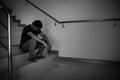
<point x="96" y="40"/>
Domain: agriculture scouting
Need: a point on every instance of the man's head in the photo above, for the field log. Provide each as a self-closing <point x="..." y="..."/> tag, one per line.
<point x="37" y="24"/>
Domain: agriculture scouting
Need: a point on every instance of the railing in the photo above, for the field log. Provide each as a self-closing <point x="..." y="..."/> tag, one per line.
<point x="73" y="21"/>
<point x="42" y="11"/>
<point x="8" y="11"/>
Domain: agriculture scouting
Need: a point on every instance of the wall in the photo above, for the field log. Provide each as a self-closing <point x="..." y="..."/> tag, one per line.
<point x="96" y="40"/>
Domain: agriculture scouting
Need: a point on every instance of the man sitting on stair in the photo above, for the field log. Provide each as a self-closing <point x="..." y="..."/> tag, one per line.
<point x="33" y="38"/>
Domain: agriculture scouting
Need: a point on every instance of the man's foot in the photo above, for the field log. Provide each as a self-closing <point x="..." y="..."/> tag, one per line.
<point x="32" y="60"/>
<point x="40" y="57"/>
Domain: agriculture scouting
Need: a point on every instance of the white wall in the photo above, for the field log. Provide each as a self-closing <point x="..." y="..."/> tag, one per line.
<point x="96" y="40"/>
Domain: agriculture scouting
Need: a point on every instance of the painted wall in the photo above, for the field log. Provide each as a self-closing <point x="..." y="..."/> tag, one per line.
<point x="96" y="40"/>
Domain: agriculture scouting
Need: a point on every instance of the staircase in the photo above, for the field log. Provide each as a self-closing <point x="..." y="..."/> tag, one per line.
<point x="22" y="68"/>
<point x="25" y="70"/>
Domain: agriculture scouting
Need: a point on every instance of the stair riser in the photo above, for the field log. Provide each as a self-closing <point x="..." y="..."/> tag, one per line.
<point x="16" y="36"/>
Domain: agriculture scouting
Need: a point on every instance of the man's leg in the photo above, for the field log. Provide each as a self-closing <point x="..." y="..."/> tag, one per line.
<point x="30" y="46"/>
<point x="41" y="48"/>
<point x="45" y="52"/>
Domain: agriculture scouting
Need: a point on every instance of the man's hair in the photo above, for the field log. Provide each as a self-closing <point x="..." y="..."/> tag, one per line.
<point x="37" y="23"/>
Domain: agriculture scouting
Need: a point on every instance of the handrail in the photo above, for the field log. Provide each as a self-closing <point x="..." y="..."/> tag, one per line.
<point x="10" y="62"/>
<point x="73" y="21"/>
<point x="91" y="20"/>
<point x="3" y="25"/>
<point x="9" y="49"/>
<point x="42" y="11"/>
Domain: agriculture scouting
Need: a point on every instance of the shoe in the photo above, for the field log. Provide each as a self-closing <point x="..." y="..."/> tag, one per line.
<point x="41" y="57"/>
<point x="32" y="60"/>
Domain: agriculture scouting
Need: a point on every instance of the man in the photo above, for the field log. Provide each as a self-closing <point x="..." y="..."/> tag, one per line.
<point x="33" y="38"/>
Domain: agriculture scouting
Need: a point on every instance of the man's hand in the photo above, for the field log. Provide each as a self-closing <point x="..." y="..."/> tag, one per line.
<point x="39" y="36"/>
<point x="48" y="44"/>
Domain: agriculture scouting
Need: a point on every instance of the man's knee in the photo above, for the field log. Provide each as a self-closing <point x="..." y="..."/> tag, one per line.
<point x="32" y="41"/>
<point x="40" y="45"/>
<point x="43" y="46"/>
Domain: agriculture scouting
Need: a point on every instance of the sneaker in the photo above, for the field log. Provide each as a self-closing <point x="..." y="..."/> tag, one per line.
<point x="41" y="57"/>
<point x="32" y="60"/>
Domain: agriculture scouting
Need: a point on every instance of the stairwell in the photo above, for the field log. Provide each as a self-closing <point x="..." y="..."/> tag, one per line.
<point x="22" y="68"/>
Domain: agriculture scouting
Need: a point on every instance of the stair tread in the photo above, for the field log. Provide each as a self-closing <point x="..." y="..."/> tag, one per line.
<point x="20" y="57"/>
<point x="22" y="67"/>
<point x="15" y="51"/>
<point x="37" y="68"/>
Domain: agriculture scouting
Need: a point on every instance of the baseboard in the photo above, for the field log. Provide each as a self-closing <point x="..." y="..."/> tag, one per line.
<point x="91" y="61"/>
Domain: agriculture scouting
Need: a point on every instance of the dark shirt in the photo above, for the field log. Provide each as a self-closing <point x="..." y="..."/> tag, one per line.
<point x="25" y="37"/>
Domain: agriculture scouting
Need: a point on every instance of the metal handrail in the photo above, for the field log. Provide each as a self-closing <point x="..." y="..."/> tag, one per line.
<point x="73" y="21"/>
<point x="91" y="20"/>
<point x="42" y="11"/>
<point x="10" y="62"/>
<point x="9" y="49"/>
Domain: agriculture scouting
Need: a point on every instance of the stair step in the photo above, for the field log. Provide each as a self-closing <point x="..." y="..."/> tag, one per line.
<point x="14" y="24"/>
<point x="22" y="25"/>
<point x="37" y="68"/>
<point x="22" y="66"/>
<point x="4" y="41"/>
<point x="17" y="61"/>
<point x="15" y="51"/>
<point x="18" y="22"/>
<point x="3" y="53"/>
<point x="19" y="58"/>
<point x="3" y="31"/>
<point x="13" y="17"/>
<point x="16" y="35"/>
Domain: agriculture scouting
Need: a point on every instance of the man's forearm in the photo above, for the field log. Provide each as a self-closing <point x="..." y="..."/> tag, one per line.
<point x="39" y="40"/>
<point x="42" y="42"/>
<point x="33" y="36"/>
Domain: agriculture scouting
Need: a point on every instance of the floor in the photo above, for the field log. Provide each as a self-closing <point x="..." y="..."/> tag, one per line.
<point x="53" y="69"/>
<point x="82" y="71"/>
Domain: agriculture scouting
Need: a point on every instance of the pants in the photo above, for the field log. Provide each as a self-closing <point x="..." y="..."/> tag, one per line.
<point x="31" y="46"/>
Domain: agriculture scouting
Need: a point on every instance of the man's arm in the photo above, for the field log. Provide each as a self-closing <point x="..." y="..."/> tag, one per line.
<point x="33" y="36"/>
<point x="47" y="40"/>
